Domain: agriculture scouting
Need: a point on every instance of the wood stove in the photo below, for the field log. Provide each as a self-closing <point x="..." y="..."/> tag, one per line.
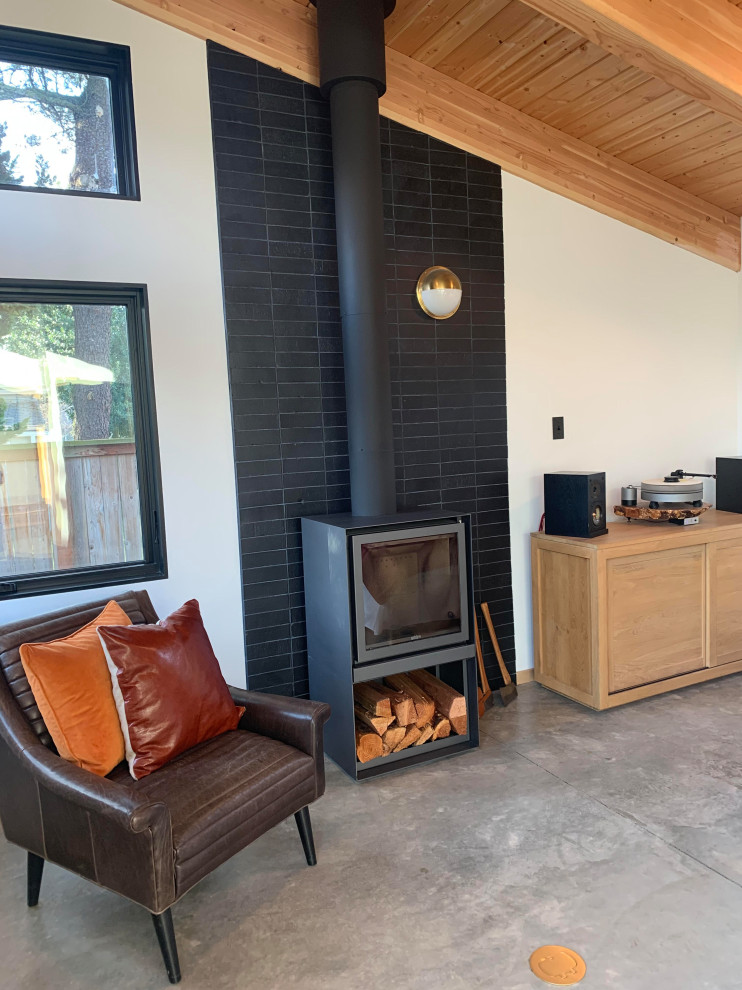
<point x="386" y="596"/>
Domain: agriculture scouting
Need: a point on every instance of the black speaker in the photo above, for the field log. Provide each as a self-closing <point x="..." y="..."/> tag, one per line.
<point x="729" y="484"/>
<point x="574" y="503"/>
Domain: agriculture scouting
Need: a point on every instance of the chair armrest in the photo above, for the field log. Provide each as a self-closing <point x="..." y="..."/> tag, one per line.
<point x="294" y="721"/>
<point x="118" y="838"/>
<point x="97" y="795"/>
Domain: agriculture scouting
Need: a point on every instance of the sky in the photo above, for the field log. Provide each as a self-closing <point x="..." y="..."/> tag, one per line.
<point x="21" y="120"/>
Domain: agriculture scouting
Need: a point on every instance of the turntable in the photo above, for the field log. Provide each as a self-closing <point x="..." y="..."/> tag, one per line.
<point x="676" y="489"/>
<point x="676" y="498"/>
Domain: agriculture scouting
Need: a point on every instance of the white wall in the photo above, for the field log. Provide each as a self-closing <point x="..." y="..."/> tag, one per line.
<point x="169" y="241"/>
<point x="635" y="342"/>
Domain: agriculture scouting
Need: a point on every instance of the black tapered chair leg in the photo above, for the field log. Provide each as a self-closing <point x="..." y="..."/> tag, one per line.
<point x="304" y="824"/>
<point x="166" y="937"/>
<point x="33" y="879"/>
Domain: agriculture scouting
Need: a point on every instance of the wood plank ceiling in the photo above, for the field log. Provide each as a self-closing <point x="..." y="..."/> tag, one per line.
<point x="507" y="50"/>
<point x="658" y="158"/>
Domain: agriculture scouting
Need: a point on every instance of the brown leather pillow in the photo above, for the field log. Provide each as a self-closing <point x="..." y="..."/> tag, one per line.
<point x="169" y="690"/>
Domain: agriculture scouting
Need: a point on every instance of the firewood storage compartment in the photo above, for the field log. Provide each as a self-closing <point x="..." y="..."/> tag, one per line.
<point x="390" y="637"/>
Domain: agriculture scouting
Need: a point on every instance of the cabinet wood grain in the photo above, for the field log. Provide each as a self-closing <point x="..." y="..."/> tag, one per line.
<point x="725" y="602"/>
<point x="565" y="629"/>
<point x="647" y="608"/>
<point x="655" y="616"/>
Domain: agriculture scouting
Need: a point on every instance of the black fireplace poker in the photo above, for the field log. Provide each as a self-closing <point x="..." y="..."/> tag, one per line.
<point x="353" y="77"/>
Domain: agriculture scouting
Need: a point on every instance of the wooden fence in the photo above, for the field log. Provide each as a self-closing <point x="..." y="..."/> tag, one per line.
<point x="80" y="512"/>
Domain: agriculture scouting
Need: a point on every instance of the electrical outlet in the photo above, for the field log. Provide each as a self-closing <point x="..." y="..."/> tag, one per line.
<point x="557" y="427"/>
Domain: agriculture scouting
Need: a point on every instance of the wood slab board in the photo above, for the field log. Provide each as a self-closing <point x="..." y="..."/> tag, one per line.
<point x="630" y="512"/>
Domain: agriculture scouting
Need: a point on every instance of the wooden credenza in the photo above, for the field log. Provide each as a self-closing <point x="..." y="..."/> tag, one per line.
<point x="647" y="608"/>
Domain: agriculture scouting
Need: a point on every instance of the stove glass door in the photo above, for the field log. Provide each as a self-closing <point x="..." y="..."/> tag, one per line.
<point x="411" y="589"/>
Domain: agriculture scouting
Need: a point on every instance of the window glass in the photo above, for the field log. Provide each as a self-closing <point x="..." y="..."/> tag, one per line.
<point x="66" y="115"/>
<point x="56" y="129"/>
<point x="70" y="443"/>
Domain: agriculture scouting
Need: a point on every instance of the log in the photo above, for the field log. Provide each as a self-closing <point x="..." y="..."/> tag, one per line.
<point x="424" y="704"/>
<point x="448" y="701"/>
<point x="441" y="727"/>
<point x="425" y="733"/>
<point x="393" y="735"/>
<point x="368" y="744"/>
<point x="458" y="724"/>
<point x="378" y="723"/>
<point x="412" y="734"/>
<point x="403" y="707"/>
<point x="371" y="700"/>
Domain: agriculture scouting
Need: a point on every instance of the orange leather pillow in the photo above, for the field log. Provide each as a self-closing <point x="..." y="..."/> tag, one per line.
<point x="70" y="681"/>
<point x="169" y="690"/>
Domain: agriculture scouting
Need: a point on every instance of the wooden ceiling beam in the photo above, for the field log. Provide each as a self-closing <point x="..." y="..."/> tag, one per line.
<point x="427" y="100"/>
<point x="282" y="33"/>
<point x="693" y="45"/>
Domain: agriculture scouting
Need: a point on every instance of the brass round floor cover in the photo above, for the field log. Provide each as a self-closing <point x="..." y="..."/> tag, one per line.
<point x="558" y="966"/>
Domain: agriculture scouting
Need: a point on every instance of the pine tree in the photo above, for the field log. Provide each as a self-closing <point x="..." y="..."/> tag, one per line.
<point x="44" y="178"/>
<point x="8" y="176"/>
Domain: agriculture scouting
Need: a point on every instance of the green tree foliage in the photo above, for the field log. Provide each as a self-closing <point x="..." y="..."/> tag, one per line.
<point x="122" y="409"/>
<point x="44" y="178"/>
<point x="35" y="329"/>
<point x="8" y="165"/>
<point x="9" y="430"/>
<point x="32" y="330"/>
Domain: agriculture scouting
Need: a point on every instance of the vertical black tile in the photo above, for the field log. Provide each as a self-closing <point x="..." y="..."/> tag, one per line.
<point x="273" y="157"/>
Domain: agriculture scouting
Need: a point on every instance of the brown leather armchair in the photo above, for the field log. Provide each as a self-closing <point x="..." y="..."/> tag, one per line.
<point x="151" y="840"/>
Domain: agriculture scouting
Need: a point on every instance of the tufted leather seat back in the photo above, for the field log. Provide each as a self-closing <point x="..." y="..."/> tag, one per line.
<point x="56" y="625"/>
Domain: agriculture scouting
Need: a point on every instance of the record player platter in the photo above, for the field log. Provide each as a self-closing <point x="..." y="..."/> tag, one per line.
<point x="661" y="491"/>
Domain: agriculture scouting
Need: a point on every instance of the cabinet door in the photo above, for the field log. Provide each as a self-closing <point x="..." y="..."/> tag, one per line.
<point x="563" y="627"/>
<point x="725" y="602"/>
<point x="656" y="616"/>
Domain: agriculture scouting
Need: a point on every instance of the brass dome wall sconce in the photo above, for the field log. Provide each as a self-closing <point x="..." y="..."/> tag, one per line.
<point x="439" y="292"/>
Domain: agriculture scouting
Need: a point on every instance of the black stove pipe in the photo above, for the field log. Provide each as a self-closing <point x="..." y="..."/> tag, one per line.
<point x="353" y="77"/>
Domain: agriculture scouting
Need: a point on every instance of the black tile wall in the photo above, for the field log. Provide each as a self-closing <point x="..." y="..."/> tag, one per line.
<point x="276" y="216"/>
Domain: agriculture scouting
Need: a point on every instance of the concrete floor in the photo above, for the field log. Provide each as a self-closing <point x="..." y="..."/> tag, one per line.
<point x="618" y="834"/>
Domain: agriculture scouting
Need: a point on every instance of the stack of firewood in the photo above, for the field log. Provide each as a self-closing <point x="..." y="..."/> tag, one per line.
<point x="406" y="710"/>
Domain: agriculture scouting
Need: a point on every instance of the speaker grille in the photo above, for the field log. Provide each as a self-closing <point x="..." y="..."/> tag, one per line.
<point x="575" y="503"/>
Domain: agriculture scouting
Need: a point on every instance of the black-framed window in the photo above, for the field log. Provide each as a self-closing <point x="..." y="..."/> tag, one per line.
<point x="80" y="490"/>
<point x="66" y="116"/>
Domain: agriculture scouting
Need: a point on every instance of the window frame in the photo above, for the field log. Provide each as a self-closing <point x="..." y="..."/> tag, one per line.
<point x="99" y="58"/>
<point x="154" y="565"/>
